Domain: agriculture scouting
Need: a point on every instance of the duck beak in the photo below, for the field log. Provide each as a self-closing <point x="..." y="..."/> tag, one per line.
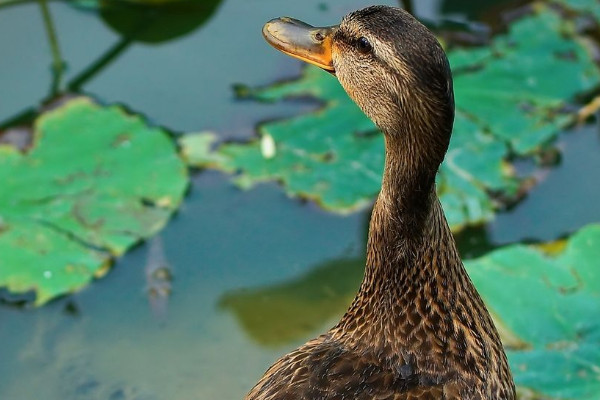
<point x="302" y="41"/>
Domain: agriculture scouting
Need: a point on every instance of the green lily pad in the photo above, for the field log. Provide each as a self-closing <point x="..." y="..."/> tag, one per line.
<point x="508" y="100"/>
<point x="551" y="303"/>
<point x="96" y="181"/>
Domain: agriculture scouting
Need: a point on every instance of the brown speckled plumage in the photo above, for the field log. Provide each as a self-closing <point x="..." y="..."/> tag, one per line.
<point x="417" y="328"/>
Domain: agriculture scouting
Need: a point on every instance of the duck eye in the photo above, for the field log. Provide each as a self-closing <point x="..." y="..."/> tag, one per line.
<point x="363" y="45"/>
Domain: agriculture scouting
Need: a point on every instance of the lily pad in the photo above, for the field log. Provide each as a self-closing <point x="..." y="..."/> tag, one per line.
<point x="508" y="101"/>
<point x="551" y="303"/>
<point x="96" y="181"/>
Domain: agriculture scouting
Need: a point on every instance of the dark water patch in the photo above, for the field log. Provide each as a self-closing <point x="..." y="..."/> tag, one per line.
<point x="564" y="199"/>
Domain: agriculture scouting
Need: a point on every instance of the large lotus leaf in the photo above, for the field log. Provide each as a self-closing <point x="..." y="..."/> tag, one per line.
<point x="96" y="181"/>
<point x="516" y="90"/>
<point x="552" y="304"/>
<point x="507" y="100"/>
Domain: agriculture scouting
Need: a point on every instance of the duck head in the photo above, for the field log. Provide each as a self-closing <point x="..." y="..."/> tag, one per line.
<point x="391" y="65"/>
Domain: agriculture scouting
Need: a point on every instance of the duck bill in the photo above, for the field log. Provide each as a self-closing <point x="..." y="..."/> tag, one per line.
<point x="302" y="41"/>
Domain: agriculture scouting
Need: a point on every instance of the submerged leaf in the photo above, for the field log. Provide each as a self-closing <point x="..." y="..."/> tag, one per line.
<point x="555" y="313"/>
<point x="156" y="21"/>
<point x="508" y="99"/>
<point x="152" y="21"/>
<point x="95" y="182"/>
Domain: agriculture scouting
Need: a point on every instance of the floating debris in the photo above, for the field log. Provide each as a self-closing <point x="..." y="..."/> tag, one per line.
<point x="267" y="146"/>
<point x="158" y="278"/>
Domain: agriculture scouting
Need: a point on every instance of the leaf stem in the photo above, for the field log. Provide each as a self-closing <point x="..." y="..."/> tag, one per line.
<point x="588" y="110"/>
<point x="107" y="57"/>
<point x="58" y="65"/>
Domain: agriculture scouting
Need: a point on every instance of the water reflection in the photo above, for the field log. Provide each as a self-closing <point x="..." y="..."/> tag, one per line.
<point x="286" y="312"/>
<point x="159" y="275"/>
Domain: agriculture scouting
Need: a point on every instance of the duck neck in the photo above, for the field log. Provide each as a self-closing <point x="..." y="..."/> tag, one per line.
<point x="411" y="253"/>
<point x="410" y="243"/>
<point x="407" y="196"/>
<point x="416" y="295"/>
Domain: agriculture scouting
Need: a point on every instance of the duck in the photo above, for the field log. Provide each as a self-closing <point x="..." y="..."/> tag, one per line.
<point x="417" y="328"/>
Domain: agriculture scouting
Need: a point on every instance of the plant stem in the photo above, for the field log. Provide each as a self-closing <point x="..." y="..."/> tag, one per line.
<point x="98" y="65"/>
<point x="593" y="107"/>
<point x="58" y="65"/>
<point x="107" y="57"/>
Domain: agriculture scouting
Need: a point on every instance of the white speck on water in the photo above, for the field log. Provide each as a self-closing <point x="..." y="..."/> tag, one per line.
<point x="47" y="274"/>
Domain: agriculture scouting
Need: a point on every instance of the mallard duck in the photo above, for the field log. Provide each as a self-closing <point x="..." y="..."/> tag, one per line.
<point x="417" y="328"/>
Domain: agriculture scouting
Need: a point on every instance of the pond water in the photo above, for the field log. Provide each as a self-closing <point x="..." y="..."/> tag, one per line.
<point x="254" y="273"/>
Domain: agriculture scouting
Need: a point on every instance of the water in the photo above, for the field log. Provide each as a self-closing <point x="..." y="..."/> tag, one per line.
<point x="254" y="273"/>
<point x="113" y="340"/>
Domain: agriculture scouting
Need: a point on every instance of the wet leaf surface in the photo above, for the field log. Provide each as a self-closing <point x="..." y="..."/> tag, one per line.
<point x="96" y="181"/>
<point x="335" y="155"/>
<point x="550" y="301"/>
